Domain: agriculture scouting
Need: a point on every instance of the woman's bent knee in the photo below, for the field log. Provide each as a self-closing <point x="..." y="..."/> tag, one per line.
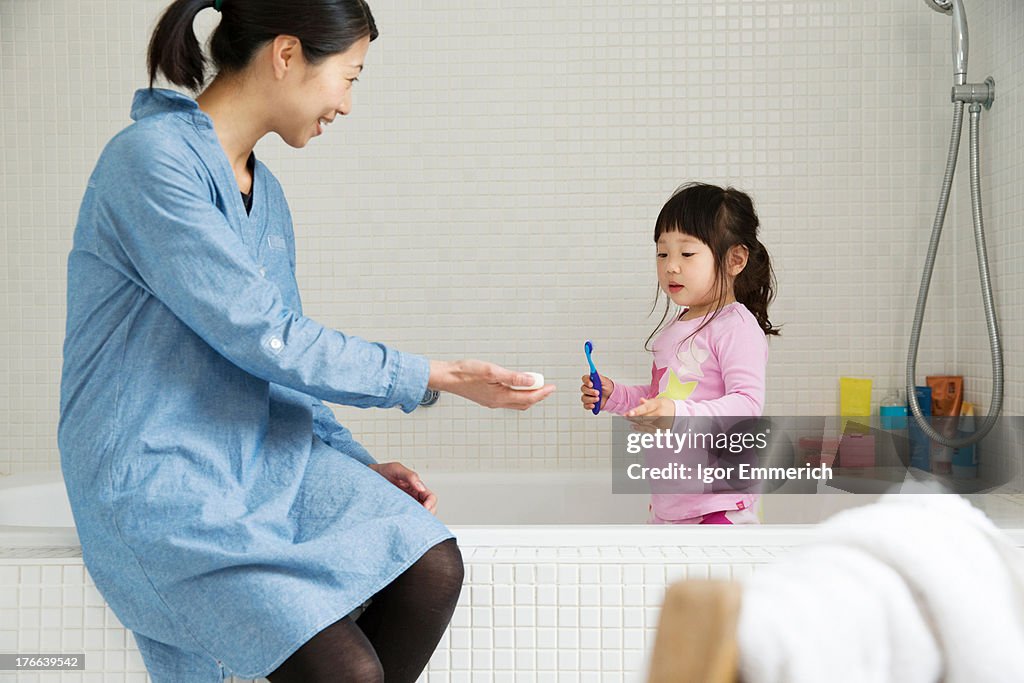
<point x="444" y="560"/>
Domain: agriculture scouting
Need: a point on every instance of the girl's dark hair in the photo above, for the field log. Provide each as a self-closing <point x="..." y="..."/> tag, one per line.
<point x="721" y="218"/>
<point x="324" y="27"/>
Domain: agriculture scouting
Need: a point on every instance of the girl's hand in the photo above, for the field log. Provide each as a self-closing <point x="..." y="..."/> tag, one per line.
<point x="486" y="383"/>
<point x="654" y="407"/>
<point x="653" y="413"/>
<point x="588" y="394"/>
<point x="407" y="480"/>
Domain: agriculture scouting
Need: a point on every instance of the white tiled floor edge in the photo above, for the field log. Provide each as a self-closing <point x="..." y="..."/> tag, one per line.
<point x="535" y="606"/>
<point x="539" y="604"/>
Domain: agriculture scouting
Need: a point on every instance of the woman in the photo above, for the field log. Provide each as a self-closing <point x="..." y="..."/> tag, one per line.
<point x="229" y="521"/>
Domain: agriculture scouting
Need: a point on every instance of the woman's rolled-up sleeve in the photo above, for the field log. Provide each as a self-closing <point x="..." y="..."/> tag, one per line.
<point x="160" y="225"/>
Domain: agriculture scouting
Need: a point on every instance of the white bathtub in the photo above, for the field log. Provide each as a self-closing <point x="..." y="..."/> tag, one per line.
<point x="563" y="579"/>
<point x="34" y="508"/>
<point x="37" y="504"/>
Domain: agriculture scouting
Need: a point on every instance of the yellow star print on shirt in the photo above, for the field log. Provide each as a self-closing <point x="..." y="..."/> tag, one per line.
<point x="676" y="389"/>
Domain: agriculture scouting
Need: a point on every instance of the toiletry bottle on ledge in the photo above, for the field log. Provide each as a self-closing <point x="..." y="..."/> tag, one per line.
<point x="920" y="444"/>
<point x="965" y="458"/>
<point x="893" y="410"/>
<point x="893" y="413"/>
<point x="947" y="396"/>
<point x="855" y="403"/>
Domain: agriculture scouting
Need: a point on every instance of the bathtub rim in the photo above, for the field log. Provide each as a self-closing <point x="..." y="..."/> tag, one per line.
<point x="676" y="536"/>
<point x="505" y="535"/>
<point x="534" y="535"/>
<point x="583" y="536"/>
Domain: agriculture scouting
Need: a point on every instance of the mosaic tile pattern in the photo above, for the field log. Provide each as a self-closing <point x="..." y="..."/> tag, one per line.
<point x="532" y="144"/>
<point x="525" y="614"/>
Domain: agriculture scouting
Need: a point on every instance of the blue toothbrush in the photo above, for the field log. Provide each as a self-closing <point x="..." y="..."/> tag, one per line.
<point x="595" y="378"/>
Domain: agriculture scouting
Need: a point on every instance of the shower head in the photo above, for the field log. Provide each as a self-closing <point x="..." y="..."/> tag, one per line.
<point x="955" y="8"/>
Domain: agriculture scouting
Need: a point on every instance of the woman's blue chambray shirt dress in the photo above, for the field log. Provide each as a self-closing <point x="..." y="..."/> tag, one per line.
<point x="224" y="514"/>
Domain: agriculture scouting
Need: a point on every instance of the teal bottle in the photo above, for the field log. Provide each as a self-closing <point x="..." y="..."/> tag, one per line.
<point x="893" y="411"/>
<point x="920" y="444"/>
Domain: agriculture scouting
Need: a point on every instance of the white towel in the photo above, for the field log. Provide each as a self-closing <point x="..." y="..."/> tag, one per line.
<point x="912" y="589"/>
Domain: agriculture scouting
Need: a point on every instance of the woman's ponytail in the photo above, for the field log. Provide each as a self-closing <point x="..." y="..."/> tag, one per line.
<point x="174" y="49"/>
<point x="324" y="27"/>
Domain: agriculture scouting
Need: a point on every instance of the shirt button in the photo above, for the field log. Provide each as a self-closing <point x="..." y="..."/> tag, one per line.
<point x="263" y="272"/>
<point x="276" y="344"/>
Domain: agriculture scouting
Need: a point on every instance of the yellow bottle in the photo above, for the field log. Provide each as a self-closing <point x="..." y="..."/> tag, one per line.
<point x="855" y="402"/>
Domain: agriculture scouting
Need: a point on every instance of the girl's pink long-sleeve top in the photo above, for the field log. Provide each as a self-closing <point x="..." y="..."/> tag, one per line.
<point x="720" y="372"/>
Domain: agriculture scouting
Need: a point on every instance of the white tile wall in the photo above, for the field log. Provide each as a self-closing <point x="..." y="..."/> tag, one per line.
<point x="997" y="50"/>
<point x="494" y="191"/>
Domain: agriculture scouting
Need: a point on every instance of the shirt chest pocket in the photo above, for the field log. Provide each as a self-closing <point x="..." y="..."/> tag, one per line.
<point x="272" y="249"/>
<point x="274" y="258"/>
<point x="276" y="243"/>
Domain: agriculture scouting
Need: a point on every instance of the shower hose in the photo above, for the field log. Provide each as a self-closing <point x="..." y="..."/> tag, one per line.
<point x="986" y="285"/>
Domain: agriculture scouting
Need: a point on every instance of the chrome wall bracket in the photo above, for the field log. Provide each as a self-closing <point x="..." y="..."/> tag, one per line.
<point x="975" y="93"/>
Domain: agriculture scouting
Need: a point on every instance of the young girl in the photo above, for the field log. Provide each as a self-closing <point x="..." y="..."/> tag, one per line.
<point x="709" y="360"/>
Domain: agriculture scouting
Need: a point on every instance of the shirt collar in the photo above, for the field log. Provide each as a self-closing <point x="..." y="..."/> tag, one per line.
<point x="152" y="101"/>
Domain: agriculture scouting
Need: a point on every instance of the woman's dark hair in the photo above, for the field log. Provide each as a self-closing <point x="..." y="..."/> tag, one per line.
<point x="721" y="218"/>
<point x="324" y="27"/>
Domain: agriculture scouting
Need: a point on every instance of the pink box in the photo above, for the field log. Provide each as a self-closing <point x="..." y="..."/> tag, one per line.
<point x="857" y="450"/>
<point x="816" y="451"/>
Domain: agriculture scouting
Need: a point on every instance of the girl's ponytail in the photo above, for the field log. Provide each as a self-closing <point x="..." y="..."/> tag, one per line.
<point x="174" y="49"/>
<point x="754" y="287"/>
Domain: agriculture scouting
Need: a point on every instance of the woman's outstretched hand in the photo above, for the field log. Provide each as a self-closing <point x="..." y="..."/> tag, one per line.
<point x="486" y="383"/>
<point x="407" y="480"/>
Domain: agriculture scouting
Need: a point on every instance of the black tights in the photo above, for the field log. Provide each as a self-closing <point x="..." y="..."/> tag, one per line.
<point x="394" y="638"/>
